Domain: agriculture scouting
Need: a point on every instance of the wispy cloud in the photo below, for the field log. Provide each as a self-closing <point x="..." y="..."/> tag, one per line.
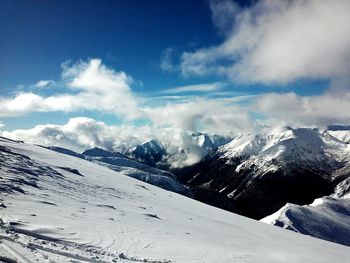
<point x="240" y="98"/>
<point x="167" y="63"/>
<point x="44" y="83"/>
<point x="206" y="87"/>
<point x="163" y="100"/>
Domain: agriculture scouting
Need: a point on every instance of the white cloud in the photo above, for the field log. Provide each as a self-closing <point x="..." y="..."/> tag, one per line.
<point x="108" y="89"/>
<point x="202" y="115"/>
<point x="23" y="102"/>
<point x="79" y="134"/>
<point x="277" y="41"/>
<point x="94" y="87"/>
<point x="44" y="83"/>
<point x="195" y="88"/>
<point x="293" y="110"/>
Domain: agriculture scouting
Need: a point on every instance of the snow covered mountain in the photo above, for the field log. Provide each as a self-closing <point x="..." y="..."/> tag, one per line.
<point x="261" y="173"/>
<point x="208" y="142"/>
<point x="60" y="208"/>
<point x="98" y="152"/>
<point x="150" y="152"/>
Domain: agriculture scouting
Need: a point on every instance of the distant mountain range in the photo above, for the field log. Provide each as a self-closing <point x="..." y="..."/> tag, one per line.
<point x="261" y="173"/>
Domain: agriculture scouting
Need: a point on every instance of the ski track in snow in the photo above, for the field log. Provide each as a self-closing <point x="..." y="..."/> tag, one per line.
<point x="88" y="213"/>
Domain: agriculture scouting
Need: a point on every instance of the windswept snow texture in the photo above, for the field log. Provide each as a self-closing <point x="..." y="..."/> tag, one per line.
<point x="52" y="214"/>
<point x="327" y="218"/>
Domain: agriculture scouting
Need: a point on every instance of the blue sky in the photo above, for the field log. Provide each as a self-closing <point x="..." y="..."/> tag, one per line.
<point x="37" y="36"/>
<point x="135" y="37"/>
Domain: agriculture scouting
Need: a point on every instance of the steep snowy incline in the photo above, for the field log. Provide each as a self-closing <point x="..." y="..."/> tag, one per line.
<point x="327" y="218"/>
<point x="62" y="208"/>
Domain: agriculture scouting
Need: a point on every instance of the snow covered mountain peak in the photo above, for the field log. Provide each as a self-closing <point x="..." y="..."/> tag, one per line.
<point x="150" y="152"/>
<point x="98" y="152"/>
<point x="210" y="141"/>
<point x="204" y="141"/>
<point x="246" y="145"/>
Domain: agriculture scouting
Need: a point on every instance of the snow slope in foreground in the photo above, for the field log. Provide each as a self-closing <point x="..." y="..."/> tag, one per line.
<point x="61" y="208"/>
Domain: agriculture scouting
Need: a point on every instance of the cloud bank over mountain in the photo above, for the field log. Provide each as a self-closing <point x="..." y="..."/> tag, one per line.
<point x="83" y="133"/>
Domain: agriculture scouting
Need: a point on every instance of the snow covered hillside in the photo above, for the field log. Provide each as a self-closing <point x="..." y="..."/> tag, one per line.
<point x="327" y="218"/>
<point x="59" y="208"/>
